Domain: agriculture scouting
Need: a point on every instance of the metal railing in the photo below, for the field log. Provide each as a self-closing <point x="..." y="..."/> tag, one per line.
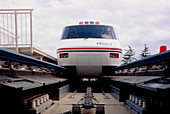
<point x="16" y="27"/>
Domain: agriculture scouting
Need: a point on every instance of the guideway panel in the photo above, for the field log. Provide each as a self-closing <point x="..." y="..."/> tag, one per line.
<point x="88" y="103"/>
<point x="144" y="85"/>
<point x="29" y="82"/>
<point x="13" y="56"/>
<point x="26" y="93"/>
<point x="144" y="94"/>
<point x="155" y="65"/>
<point x="31" y="94"/>
<point x="161" y="57"/>
<point x="112" y="106"/>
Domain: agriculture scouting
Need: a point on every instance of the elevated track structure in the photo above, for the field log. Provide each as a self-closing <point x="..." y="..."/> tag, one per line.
<point x="27" y="84"/>
<point x="158" y="62"/>
<point x="143" y="85"/>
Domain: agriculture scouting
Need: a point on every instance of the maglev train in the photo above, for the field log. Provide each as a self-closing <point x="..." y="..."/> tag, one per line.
<point x="89" y="49"/>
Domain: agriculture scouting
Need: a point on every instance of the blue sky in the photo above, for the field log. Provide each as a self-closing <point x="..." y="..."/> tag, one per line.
<point x="136" y="21"/>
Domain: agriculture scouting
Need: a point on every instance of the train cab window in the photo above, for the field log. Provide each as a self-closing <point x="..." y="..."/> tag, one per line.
<point x="88" y="31"/>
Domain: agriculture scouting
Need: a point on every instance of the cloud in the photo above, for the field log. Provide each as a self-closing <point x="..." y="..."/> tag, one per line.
<point x="136" y="21"/>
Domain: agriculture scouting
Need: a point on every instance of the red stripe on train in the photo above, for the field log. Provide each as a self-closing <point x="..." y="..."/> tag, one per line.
<point x="89" y="49"/>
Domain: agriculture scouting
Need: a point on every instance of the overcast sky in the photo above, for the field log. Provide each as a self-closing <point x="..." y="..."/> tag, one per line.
<point x="136" y="21"/>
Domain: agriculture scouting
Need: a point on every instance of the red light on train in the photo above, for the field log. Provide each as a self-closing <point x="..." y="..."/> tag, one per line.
<point x="80" y="23"/>
<point x="113" y="55"/>
<point x="163" y="48"/>
<point x="97" y="23"/>
<point x="64" y="55"/>
<point x="116" y="55"/>
<point x="61" y="56"/>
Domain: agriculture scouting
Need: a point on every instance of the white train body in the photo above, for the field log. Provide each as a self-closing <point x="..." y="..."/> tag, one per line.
<point x="89" y="55"/>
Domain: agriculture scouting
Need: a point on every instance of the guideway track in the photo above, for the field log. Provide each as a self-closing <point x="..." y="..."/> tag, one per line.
<point x="29" y="93"/>
<point x="64" y="106"/>
<point x="76" y="108"/>
<point x="161" y="57"/>
<point x="144" y="85"/>
<point x="17" y="57"/>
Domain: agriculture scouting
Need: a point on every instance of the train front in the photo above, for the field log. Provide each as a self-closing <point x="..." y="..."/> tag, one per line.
<point x="89" y="49"/>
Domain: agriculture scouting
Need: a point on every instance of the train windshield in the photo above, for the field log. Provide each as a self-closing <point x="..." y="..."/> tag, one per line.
<point x="88" y="31"/>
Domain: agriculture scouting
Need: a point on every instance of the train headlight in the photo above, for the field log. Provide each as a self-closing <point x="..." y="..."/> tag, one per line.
<point x="114" y="55"/>
<point x="64" y="55"/>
